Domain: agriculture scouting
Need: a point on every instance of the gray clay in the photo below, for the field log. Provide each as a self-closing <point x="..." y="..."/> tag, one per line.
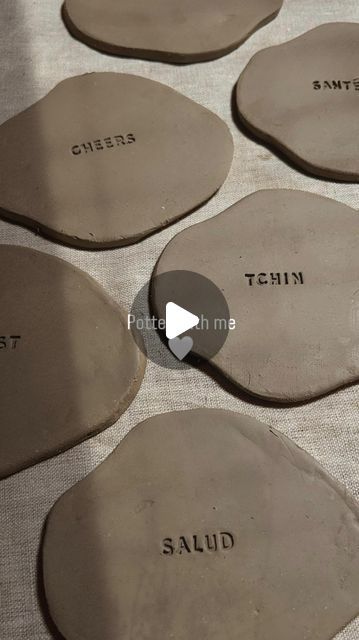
<point x="69" y="365"/>
<point x="303" y="96"/>
<point x="168" y="30"/>
<point x="106" y="159"/>
<point x="203" y="524"/>
<point x="287" y="263"/>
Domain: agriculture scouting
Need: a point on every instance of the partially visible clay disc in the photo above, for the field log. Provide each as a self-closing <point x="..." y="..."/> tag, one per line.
<point x="168" y="30"/>
<point x="303" y="96"/>
<point x="106" y="159"/>
<point x="69" y="366"/>
<point x="203" y="524"/>
<point x="287" y="263"/>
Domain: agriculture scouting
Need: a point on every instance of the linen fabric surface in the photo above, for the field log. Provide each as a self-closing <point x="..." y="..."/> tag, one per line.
<point x="37" y="52"/>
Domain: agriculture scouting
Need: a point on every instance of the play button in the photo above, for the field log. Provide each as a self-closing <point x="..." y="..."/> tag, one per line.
<point x="180" y="317"/>
<point x="178" y="320"/>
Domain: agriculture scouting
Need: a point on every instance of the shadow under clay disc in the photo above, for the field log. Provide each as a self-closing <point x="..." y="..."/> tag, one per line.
<point x="203" y="524"/>
<point x="303" y="96"/>
<point x="107" y="158"/>
<point x="287" y="263"/>
<point x="69" y="365"/>
<point x="168" y="30"/>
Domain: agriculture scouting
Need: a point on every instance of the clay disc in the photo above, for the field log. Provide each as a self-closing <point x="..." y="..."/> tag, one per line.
<point x="203" y="524"/>
<point x="168" y="30"/>
<point x="106" y="159"/>
<point x="69" y="365"/>
<point x="303" y="96"/>
<point x="287" y="263"/>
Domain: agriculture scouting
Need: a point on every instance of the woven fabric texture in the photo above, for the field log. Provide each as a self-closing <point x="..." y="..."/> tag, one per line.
<point x="37" y="52"/>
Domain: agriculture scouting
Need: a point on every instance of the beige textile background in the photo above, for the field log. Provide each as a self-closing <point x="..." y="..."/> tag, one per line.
<point x="36" y="52"/>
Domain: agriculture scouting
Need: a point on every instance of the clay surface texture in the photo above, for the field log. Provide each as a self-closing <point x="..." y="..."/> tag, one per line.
<point x="203" y="524"/>
<point x="287" y="263"/>
<point x="169" y="30"/>
<point x="303" y="96"/>
<point x="69" y="365"/>
<point x="106" y="159"/>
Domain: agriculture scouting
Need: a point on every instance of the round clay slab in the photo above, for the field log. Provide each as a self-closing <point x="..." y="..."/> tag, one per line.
<point x="106" y="159"/>
<point x="202" y="524"/>
<point x="287" y="263"/>
<point x="168" y="30"/>
<point x="303" y="96"/>
<point x="68" y="363"/>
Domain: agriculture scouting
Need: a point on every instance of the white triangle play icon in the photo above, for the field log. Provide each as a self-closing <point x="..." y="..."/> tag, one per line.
<point x="178" y="320"/>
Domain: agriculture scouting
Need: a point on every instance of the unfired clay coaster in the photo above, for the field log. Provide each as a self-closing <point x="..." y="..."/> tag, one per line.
<point x="203" y="524"/>
<point x="168" y="30"/>
<point x="287" y="263"/>
<point x="69" y="365"/>
<point x="303" y="96"/>
<point x="105" y="159"/>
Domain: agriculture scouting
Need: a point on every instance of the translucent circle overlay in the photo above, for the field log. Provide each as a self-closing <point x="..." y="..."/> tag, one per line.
<point x="194" y="293"/>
